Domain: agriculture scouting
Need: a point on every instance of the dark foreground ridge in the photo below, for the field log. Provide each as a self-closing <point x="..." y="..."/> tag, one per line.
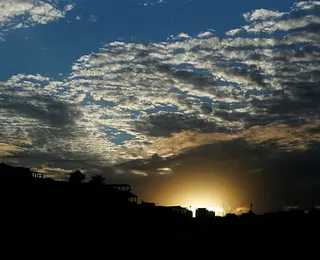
<point x="108" y="217"/>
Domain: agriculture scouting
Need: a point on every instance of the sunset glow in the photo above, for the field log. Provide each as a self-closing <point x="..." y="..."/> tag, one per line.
<point x="205" y="201"/>
<point x="219" y="211"/>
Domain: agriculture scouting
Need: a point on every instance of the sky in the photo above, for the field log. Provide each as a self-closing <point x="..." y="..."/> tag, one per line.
<point x="200" y="103"/>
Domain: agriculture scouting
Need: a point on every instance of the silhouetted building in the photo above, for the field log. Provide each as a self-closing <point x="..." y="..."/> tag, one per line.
<point x="125" y="190"/>
<point x="145" y="204"/>
<point x="37" y="175"/>
<point x="151" y="210"/>
<point x="23" y="180"/>
<point x="231" y="215"/>
<point x="121" y="187"/>
<point x="175" y="211"/>
<point x="203" y="213"/>
<point x="16" y="174"/>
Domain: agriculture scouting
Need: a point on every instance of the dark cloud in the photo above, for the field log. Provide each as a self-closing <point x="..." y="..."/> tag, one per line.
<point x="206" y="108"/>
<point x="293" y="177"/>
<point x="182" y="100"/>
<point x="49" y="111"/>
<point x="299" y="96"/>
<point x="255" y="56"/>
<point x="165" y="124"/>
<point x="148" y="165"/>
<point x="52" y="137"/>
<point x="248" y="119"/>
<point x="243" y="173"/>
<point x="67" y="160"/>
<point x="199" y="81"/>
<point x="251" y="74"/>
<point x="231" y="116"/>
<point x="299" y="99"/>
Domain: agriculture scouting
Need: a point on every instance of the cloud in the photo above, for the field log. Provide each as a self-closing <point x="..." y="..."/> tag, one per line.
<point x="307" y="5"/>
<point x="153" y="2"/>
<point x="183" y="35"/>
<point x="164" y="124"/>
<point x="261" y="160"/>
<point x="279" y="136"/>
<point x="50" y="111"/>
<point x="93" y="18"/>
<point x="205" y="34"/>
<point x="54" y="173"/>
<point x="185" y="140"/>
<point x="186" y="76"/>
<point x="263" y="14"/>
<point x="282" y="25"/>
<point x="233" y="32"/>
<point x="9" y="150"/>
<point x="16" y="14"/>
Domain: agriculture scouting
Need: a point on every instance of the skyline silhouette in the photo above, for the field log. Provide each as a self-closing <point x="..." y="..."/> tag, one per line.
<point x="108" y="216"/>
<point x="25" y="178"/>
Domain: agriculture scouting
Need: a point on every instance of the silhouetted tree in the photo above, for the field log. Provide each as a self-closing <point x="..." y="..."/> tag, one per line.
<point x="97" y="180"/>
<point x="77" y="177"/>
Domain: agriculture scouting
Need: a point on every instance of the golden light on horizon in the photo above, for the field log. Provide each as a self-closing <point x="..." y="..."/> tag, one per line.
<point x="219" y="210"/>
<point x="198" y="191"/>
<point x="205" y="201"/>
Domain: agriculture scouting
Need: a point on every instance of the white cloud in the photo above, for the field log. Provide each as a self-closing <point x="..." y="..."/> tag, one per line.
<point x="263" y="14"/>
<point x="16" y="14"/>
<point x="282" y="25"/>
<point x="307" y="5"/>
<point x="233" y="32"/>
<point x="205" y="34"/>
<point x="153" y="2"/>
<point x="68" y="7"/>
<point x="183" y="35"/>
<point x="93" y="18"/>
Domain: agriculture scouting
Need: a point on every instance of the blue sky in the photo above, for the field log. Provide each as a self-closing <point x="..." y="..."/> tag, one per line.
<point x="125" y="20"/>
<point x="98" y="84"/>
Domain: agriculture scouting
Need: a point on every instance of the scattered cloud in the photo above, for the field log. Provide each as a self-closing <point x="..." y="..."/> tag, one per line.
<point x="263" y="14"/>
<point x="307" y="5"/>
<point x="140" y="173"/>
<point x="54" y="173"/>
<point x="9" y="150"/>
<point x="153" y="2"/>
<point x="15" y="14"/>
<point x="157" y="2"/>
<point x="93" y="18"/>
<point x="233" y="32"/>
<point x="205" y="34"/>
